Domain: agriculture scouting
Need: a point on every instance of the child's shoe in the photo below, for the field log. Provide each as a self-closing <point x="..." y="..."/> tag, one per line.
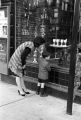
<point x="38" y="90"/>
<point x="42" y="92"/>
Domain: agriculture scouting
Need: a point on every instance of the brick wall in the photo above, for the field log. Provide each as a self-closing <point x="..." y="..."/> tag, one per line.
<point x="24" y="29"/>
<point x="18" y="22"/>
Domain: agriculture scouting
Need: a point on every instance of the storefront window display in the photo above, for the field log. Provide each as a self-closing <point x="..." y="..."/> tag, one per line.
<point x="52" y="20"/>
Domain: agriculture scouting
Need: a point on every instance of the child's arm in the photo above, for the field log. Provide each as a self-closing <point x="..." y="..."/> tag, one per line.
<point x="24" y="66"/>
<point x="48" y="67"/>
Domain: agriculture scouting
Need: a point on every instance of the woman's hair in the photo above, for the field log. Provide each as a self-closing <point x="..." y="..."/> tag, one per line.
<point x="45" y="54"/>
<point x="38" y="41"/>
<point x="24" y="54"/>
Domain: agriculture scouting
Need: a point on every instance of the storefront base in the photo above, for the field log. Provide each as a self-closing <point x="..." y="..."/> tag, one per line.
<point x="50" y="88"/>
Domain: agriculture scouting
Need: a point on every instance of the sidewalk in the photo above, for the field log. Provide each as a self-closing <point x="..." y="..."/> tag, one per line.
<point x="33" y="107"/>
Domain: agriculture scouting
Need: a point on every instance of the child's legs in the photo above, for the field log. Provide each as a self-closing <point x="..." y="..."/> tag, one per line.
<point x="42" y="91"/>
<point x="38" y="87"/>
<point x="42" y="85"/>
<point x="38" y="84"/>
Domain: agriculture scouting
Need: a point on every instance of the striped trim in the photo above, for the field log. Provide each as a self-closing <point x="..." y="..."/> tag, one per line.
<point x="15" y="60"/>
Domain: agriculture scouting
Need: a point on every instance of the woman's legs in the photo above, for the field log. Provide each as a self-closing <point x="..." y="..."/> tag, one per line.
<point x="23" y="84"/>
<point x="19" y="84"/>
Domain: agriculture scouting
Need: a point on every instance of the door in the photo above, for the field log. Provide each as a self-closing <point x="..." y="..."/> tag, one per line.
<point x="4" y="38"/>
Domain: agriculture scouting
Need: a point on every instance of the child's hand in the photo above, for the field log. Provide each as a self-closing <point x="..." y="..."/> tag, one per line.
<point x="78" y="84"/>
<point x="24" y="66"/>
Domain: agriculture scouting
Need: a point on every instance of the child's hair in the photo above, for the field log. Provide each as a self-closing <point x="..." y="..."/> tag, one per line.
<point x="24" y="54"/>
<point x="79" y="47"/>
<point x="38" y="41"/>
<point x="45" y="54"/>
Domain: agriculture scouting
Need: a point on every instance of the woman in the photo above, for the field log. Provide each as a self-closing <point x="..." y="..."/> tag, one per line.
<point x="17" y="62"/>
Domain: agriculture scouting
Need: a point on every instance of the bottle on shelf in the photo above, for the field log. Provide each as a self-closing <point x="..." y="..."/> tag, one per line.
<point x="66" y="5"/>
<point x="55" y="13"/>
<point x="57" y="3"/>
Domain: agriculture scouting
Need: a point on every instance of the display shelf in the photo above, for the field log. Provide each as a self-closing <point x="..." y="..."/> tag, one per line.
<point x="59" y="55"/>
<point x="59" y="46"/>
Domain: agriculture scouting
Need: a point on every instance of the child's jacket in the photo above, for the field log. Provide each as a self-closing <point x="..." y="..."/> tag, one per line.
<point x="44" y="67"/>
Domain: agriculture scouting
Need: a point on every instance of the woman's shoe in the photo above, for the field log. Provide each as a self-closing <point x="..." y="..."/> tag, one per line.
<point x="21" y="93"/>
<point x="25" y="92"/>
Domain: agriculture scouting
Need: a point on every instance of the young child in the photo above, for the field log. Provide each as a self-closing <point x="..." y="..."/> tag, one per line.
<point x="44" y="67"/>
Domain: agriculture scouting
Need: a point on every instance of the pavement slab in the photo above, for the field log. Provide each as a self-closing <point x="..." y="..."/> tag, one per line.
<point x="34" y="107"/>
